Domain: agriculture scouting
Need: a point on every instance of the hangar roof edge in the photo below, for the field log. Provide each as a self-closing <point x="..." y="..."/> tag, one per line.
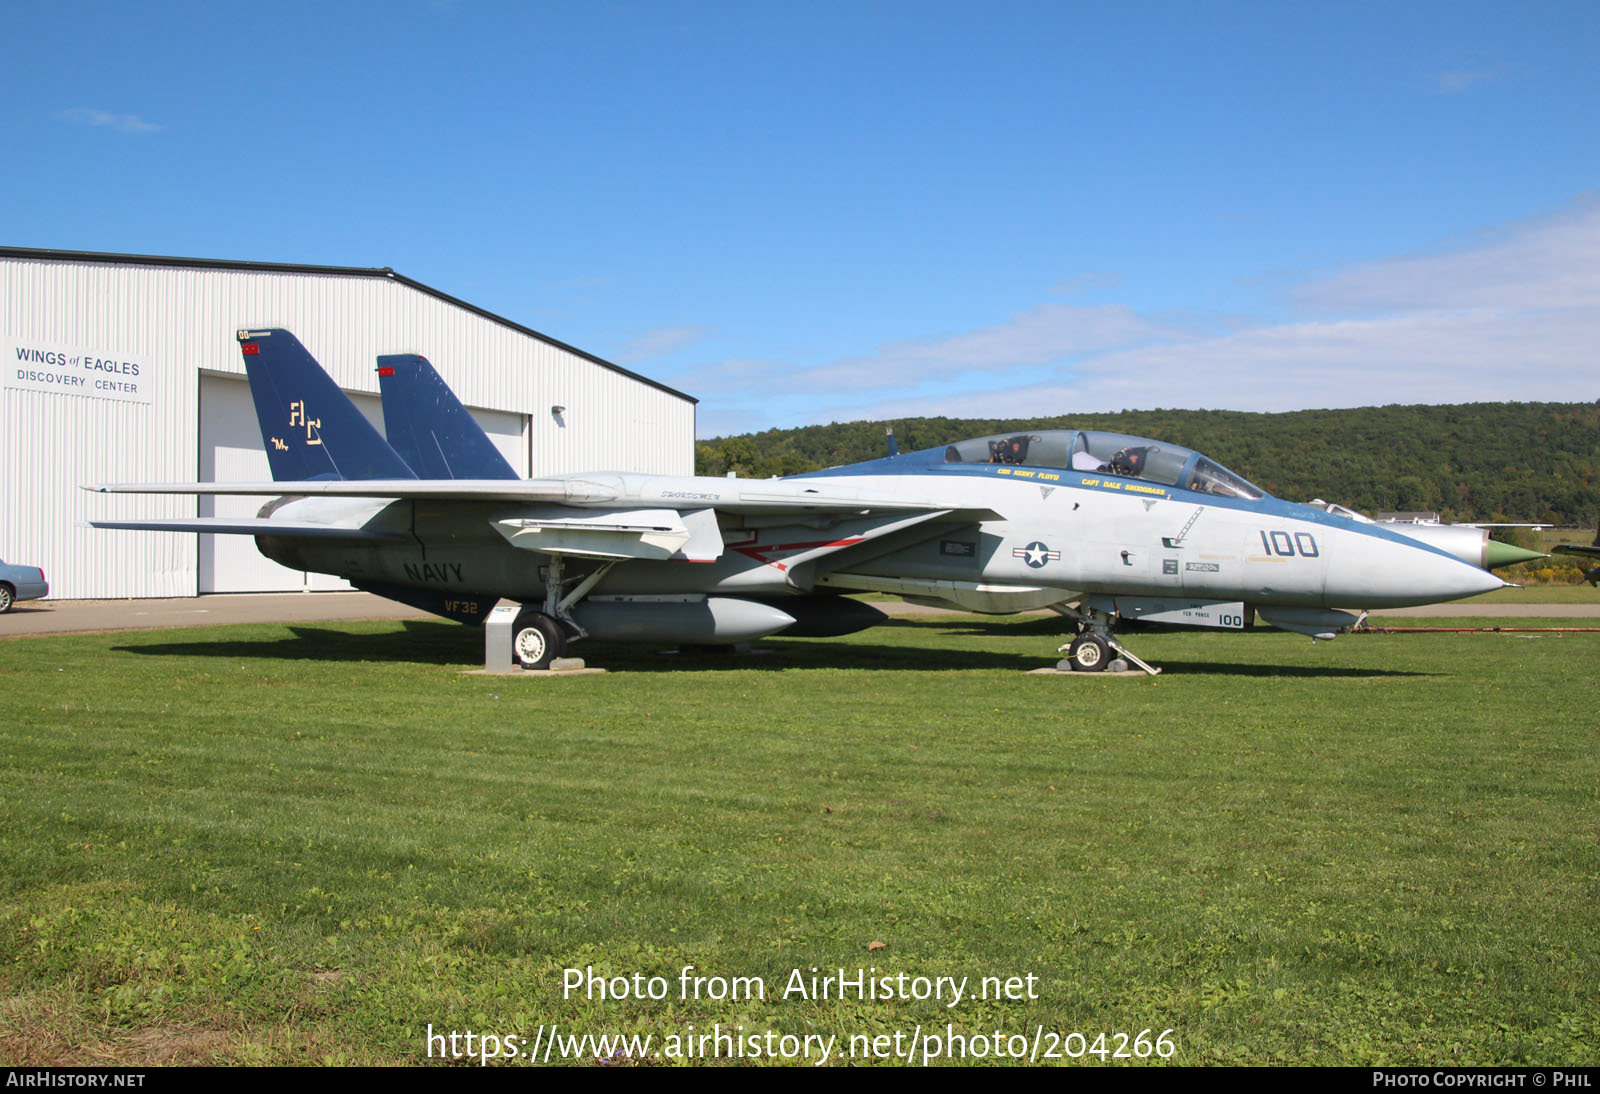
<point x="384" y="272"/>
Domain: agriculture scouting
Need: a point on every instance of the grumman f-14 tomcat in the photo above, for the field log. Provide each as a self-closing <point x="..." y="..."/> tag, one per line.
<point x="1096" y="526"/>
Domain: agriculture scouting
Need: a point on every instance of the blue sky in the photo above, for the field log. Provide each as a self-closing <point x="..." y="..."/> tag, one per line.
<point x="811" y="212"/>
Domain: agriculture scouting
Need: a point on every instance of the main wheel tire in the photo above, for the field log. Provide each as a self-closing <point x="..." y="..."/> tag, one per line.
<point x="1090" y="653"/>
<point x="537" y="640"/>
<point x="7" y="598"/>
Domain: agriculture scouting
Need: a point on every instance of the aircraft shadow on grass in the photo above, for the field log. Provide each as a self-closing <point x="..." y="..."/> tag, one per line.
<point x="1046" y="629"/>
<point x="445" y="644"/>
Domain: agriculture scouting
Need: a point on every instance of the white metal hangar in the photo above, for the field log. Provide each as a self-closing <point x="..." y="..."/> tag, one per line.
<point x="125" y="368"/>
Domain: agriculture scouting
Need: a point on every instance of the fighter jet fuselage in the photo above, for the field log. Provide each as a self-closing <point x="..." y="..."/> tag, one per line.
<point x="1072" y="533"/>
<point x="1094" y="525"/>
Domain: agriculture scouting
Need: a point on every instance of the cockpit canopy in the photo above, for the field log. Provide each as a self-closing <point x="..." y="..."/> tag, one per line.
<point x="1107" y="453"/>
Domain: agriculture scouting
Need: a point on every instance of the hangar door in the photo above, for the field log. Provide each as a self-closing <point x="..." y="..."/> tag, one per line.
<point x="231" y="451"/>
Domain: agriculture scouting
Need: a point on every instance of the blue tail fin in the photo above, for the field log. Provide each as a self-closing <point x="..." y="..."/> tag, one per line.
<point x="430" y="428"/>
<point x="311" y="429"/>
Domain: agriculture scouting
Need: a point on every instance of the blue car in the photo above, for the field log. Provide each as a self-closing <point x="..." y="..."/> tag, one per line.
<point x="20" y="583"/>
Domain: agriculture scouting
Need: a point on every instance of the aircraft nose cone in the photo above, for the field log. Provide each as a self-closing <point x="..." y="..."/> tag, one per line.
<point x="1382" y="573"/>
<point x="1461" y="579"/>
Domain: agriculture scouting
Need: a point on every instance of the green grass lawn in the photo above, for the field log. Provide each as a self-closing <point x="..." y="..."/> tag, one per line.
<point x="310" y="843"/>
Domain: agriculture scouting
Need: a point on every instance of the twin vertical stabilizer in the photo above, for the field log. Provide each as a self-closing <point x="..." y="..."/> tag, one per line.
<point x="429" y="427"/>
<point x="312" y="431"/>
<point x="310" y="428"/>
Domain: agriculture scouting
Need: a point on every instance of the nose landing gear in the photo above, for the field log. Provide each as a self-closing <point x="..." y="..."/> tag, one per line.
<point x="1091" y="650"/>
<point x="1088" y="653"/>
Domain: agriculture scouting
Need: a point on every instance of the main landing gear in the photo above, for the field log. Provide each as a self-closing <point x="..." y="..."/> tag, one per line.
<point x="537" y="639"/>
<point x="1092" y="650"/>
<point x="538" y="636"/>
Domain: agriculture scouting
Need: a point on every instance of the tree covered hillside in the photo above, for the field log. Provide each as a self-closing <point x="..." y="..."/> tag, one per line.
<point x="1478" y="461"/>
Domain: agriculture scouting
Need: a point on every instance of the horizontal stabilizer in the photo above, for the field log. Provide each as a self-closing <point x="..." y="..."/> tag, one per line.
<point x="428" y="489"/>
<point x="247" y="526"/>
<point x="604" y="490"/>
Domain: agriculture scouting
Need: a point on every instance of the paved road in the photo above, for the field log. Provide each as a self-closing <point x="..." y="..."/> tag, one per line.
<point x="67" y="616"/>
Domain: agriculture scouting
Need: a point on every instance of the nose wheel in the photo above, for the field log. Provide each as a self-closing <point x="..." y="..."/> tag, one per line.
<point x="1092" y="650"/>
<point x="1088" y="653"/>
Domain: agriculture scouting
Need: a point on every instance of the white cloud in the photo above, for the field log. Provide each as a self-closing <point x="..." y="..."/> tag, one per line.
<point x="1549" y="262"/>
<point x="1427" y="357"/>
<point x="744" y="374"/>
<point x="1513" y="314"/>
<point x="122" y="123"/>
<point x="1049" y="334"/>
<point x="657" y="343"/>
<point x="726" y="421"/>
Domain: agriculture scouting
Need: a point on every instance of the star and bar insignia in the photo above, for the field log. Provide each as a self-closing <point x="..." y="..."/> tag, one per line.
<point x="1036" y="554"/>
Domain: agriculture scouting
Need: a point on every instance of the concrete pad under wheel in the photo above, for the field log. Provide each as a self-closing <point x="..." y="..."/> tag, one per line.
<point x="1053" y="671"/>
<point x="561" y="666"/>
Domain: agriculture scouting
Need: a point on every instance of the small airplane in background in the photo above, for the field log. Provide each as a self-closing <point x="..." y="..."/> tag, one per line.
<point x="1096" y="526"/>
<point x="1584" y="551"/>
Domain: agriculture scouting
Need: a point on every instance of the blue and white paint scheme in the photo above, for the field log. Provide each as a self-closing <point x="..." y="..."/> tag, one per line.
<point x="1096" y="526"/>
